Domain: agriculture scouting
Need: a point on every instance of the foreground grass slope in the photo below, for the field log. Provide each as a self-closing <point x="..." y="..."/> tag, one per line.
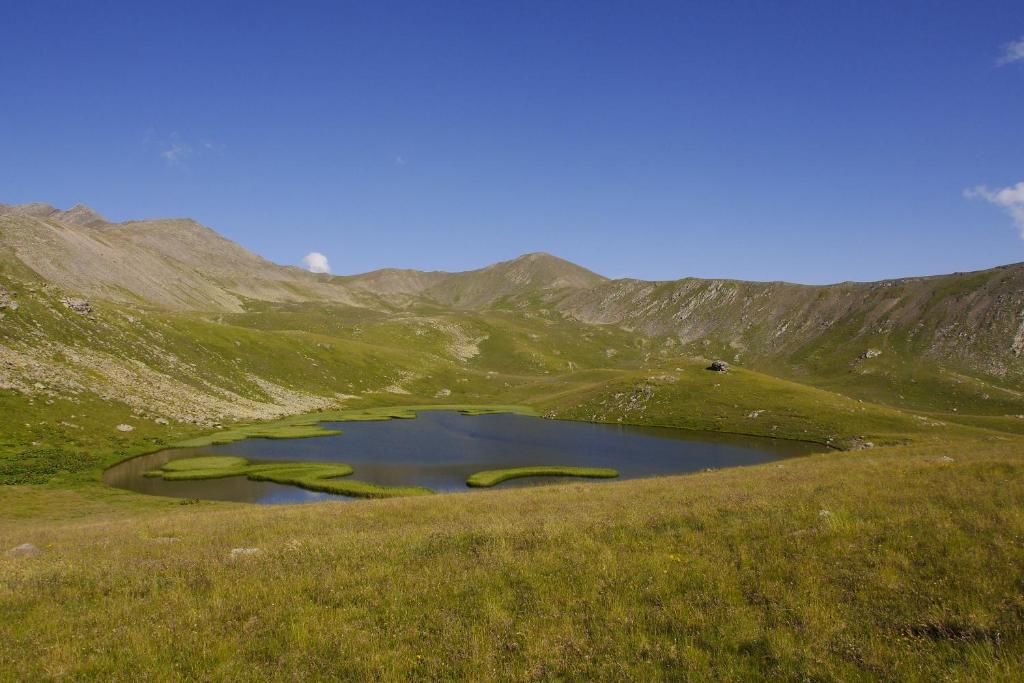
<point x="896" y="563"/>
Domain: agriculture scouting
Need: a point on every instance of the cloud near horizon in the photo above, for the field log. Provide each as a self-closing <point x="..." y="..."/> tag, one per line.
<point x="1012" y="52"/>
<point x="316" y="262"/>
<point x="1010" y="199"/>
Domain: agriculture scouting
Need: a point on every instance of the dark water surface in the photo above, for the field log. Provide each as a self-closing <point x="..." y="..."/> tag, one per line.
<point x="439" y="449"/>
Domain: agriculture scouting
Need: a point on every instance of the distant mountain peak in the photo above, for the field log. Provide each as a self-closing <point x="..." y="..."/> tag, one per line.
<point x="537" y="256"/>
<point x="79" y="214"/>
<point x="550" y="270"/>
<point x="541" y="257"/>
<point x="35" y="209"/>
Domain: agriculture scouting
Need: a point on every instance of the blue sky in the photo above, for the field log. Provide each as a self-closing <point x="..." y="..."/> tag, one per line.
<point x="805" y="141"/>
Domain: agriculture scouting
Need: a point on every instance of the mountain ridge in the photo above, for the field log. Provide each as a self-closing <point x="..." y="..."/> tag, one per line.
<point x="973" y="319"/>
<point x="82" y="215"/>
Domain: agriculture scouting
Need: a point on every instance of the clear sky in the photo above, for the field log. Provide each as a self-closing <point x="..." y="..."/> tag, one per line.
<point x="806" y="141"/>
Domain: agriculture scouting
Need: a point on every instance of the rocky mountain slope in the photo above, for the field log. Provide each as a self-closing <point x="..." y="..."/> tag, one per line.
<point x="976" y="319"/>
<point x="174" y="263"/>
<point x="169" y="314"/>
<point x="182" y="265"/>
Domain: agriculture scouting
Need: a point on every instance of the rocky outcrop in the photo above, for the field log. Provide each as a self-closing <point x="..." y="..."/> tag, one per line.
<point x="719" y="366"/>
<point x="79" y="306"/>
<point x="7" y="301"/>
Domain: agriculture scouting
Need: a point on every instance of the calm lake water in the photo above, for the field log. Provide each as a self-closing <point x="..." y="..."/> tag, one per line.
<point x="439" y="449"/>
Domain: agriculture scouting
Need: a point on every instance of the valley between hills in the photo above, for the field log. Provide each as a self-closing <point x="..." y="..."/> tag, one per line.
<point x="894" y="553"/>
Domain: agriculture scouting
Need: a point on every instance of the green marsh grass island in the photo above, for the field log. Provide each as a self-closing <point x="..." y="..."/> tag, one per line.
<point x="490" y="478"/>
<point x="325" y="478"/>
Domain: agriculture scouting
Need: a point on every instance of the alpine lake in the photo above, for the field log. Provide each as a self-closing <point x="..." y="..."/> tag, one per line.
<point x="438" y="452"/>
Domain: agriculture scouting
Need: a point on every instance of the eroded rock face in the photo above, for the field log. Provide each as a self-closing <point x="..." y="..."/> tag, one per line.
<point x="719" y="366"/>
<point x="79" y="306"/>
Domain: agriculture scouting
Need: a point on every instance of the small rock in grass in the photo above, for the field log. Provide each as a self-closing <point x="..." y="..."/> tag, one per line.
<point x="443" y="393"/>
<point x="719" y="366"/>
<point x="824" y="513"/>
<point x="944" y="458"/>
<point x="125" y="428"/>
<point x="23" y="550"/>
<point x="161" y="421"/>
<point x="166" y="539"/>
<point x="243" y="552"/>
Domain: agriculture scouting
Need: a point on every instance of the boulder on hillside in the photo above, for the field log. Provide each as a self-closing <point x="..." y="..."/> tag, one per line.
<point x="23" y="550"/>
<point x="871" y="353"/>
<point x="719" y="366"/>
<point x="79" y="306"/>
<point x="7" y="300"/>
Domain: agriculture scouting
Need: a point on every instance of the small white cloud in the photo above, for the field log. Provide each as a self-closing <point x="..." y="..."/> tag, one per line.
<point x="212" y="146"/>
<point x="316" y="262"/>
<point x="1010" y="199"/>
<point x="176" y="152"/>
<point x="1012" y="52"/>
<point x="400" y="161"/>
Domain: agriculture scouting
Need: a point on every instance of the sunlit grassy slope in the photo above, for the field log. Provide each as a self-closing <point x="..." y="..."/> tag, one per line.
<point x="898" y="561"/>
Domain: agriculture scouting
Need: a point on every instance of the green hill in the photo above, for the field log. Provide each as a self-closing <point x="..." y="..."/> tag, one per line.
<point x="893" y="555"/>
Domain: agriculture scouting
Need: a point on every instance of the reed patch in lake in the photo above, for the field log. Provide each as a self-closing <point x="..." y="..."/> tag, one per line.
<point x="490" y="478"/>
<point x="310" y="476"/>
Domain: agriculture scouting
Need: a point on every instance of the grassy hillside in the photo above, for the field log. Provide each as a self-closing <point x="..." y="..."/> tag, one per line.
<point x="898" y="563"/>
<point x="894" y="555"/>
